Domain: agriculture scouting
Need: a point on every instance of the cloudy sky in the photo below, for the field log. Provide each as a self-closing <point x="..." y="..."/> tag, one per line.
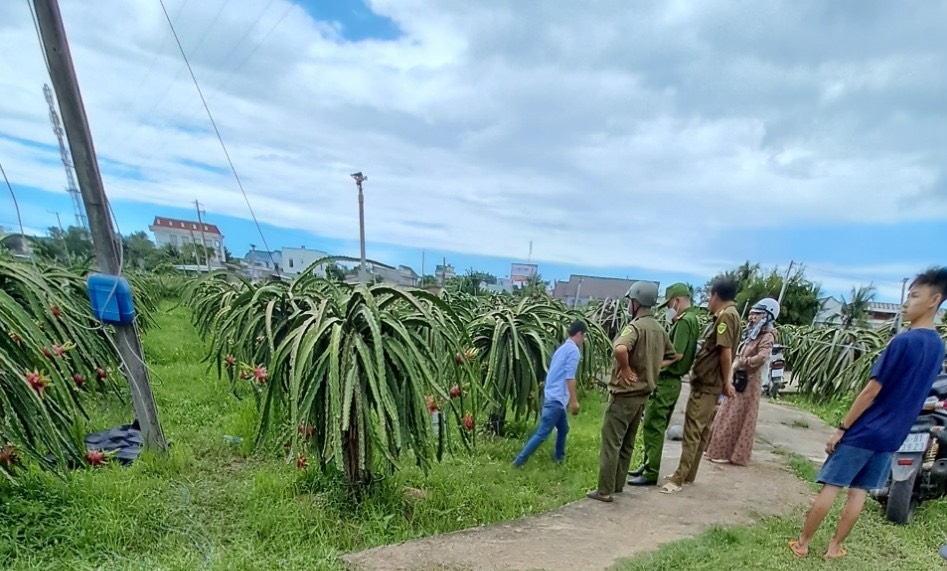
<point x="665" y="140"/>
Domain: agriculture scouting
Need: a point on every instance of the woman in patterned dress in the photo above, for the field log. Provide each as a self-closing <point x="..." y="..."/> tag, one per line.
<point x="734" y="427"/>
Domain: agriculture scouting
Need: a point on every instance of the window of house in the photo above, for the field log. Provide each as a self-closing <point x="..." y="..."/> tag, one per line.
<point x="290" y="262"/>
<point x="174" y="240"/>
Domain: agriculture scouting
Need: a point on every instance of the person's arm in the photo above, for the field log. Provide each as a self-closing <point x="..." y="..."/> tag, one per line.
<point x="763" y="351"/>
<point x="864" y="400"/>
<point x="884" y="371"/>
<point x="728" y="331"/>
<point x="623" y="346"/>
<point x="572" y="365"/>
<point x="671" y="355"/>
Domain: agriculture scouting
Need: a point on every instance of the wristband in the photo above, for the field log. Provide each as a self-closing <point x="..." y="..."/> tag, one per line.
<point x="842" y="427"/>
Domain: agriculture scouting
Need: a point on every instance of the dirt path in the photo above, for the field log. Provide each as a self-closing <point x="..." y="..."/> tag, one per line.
<point x="721" y="495"/>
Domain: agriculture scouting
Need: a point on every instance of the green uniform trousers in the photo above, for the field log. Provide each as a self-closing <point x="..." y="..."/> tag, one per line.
<point x="698" y="418"/>
<point x="619" y="428"/>
<point x="657" y="416"/>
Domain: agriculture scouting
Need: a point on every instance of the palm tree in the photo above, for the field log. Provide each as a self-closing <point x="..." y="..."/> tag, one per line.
<point x="855" y="311"/>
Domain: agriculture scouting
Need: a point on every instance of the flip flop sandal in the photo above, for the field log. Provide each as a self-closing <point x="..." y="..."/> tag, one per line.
<point x="841" y="553"/>
<point x="792" y="547"/>
<point x="719" y="461"/>
<point x="599" y="497"/>
<point x="670" y="488"/>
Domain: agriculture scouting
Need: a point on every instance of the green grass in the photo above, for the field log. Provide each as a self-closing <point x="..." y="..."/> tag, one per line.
<point x="832" y="412"/>
<point x="213" y="505"/>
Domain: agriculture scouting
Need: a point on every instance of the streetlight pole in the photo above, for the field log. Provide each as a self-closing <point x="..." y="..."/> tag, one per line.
<point x="782" y="290"/>
<point x="359" y="179"/>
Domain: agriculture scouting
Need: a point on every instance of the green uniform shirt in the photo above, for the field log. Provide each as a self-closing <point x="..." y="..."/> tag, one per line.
<point x="685" y="332"/>
<point x="723" y="331"/>
<point x="648" y="345"/>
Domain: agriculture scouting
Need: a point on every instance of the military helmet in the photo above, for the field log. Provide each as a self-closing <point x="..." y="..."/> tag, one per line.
<point x="645" y="293"/>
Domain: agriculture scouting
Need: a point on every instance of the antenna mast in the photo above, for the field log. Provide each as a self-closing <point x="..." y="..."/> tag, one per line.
<point x="71" y="187"/>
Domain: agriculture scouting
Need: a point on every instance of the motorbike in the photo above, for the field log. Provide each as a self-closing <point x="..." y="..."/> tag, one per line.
<point x="777" y="367"/>
<point x="919" y="467"/>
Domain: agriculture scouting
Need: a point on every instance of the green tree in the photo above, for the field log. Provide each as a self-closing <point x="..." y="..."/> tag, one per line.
<point x="800" y="302"/>
<point x="139" y="251"/>
<point x="334" y="273"/>
<point x="428" y="280"/>
<point x="533" y="286"/>
<point x="855" y="310"/>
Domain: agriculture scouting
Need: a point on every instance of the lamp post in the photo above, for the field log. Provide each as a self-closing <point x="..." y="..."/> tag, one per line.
<point x="359" y="179"/>
<point x="899" y="318"/>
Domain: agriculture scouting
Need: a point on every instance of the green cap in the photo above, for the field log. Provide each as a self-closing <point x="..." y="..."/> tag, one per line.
<point x="673" y="291"/>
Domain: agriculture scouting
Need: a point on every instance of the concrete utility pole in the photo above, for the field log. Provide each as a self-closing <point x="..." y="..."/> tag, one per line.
<point x="359" y="179"/>
<point x="782" y="290"/>
<point x="900" y="318"/>
<point x="200" y="222"/>
<point x="62" y="234"/>
<point x="107" y="247"/>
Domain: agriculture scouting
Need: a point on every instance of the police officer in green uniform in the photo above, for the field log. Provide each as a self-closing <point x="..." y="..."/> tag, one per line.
<point x="641" y="350"/>
<point x="685" y="332"/>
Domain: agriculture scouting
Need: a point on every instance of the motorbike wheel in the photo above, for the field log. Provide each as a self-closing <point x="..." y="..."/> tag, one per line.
<point x="901" y="501"/>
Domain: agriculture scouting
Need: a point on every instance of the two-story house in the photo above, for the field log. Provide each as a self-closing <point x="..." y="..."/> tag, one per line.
<point x="295" y="260"/>
<point x="177" y="233"/>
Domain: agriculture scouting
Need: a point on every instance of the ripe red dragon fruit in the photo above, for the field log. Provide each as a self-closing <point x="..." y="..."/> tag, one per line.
<point x="229" y="361"/>
<point x="301" y="462"/>
<point x="455" y="391"/>
<point x="37" y="381"/>
<point x="101" y="374"/>
<point x="79" y="380"/>
<point x="96" y="458"/>
<point x="57" y="313"/>
<point x="59" y="350"/>
<point x="306" y="430"/>
<point x="9" y="456"/>
<point x="469" y="421"/>
<point x="259" y="374"/>
<point x="431" y="404"/>
<point x="458" y="358"/>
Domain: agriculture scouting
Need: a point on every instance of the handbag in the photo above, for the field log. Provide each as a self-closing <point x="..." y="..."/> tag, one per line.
<point x="740" y="380"/>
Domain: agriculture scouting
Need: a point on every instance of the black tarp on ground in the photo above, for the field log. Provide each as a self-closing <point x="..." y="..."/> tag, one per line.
<point x="125" y="440"/>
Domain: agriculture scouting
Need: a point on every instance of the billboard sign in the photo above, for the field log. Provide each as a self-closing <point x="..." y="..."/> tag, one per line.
<point x="519" y="273"/>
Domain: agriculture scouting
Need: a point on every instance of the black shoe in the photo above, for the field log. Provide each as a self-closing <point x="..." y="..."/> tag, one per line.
<point x="636" y="473"/>
<point x="642" y="481"/>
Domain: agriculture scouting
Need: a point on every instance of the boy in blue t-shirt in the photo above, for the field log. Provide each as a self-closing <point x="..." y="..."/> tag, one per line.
<point x="861" y="450"/>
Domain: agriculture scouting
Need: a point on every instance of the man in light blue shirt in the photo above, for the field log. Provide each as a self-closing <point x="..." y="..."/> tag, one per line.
<point x="559" y="394"/>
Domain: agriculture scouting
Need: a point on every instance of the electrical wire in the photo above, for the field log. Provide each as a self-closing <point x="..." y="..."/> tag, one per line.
<point x="223" y="146"/>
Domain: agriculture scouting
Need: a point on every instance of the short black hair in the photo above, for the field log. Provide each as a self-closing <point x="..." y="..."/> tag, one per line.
<point x="725" y="287"/>
<point x="935" y="278"/>
<point x="577" y="327"/>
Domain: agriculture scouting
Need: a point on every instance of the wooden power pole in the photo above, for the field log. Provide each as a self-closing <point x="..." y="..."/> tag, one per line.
<point x="107" y="246"/>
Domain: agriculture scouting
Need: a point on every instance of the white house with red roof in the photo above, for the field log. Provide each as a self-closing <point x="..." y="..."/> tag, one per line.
<point x="177" y="233"/>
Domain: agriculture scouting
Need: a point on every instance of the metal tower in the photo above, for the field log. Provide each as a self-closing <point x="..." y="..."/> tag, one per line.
<point x="71" y="187"/>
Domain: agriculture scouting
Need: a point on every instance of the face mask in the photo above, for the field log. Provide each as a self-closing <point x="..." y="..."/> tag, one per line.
<point x="670" y="314"/>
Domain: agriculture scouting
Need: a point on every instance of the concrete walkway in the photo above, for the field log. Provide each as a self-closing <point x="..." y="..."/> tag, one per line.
<point x="645" y="518"/>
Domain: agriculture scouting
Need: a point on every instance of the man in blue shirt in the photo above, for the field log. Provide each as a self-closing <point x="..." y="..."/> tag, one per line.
<point x="861" y="450"/>
<point x="559" y="394"/>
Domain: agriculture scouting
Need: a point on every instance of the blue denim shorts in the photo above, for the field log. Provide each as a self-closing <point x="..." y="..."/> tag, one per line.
<point x="850" y="467"/>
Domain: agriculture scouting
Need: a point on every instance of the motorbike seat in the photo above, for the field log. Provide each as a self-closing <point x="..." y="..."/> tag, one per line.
<point x="939" y="389"/>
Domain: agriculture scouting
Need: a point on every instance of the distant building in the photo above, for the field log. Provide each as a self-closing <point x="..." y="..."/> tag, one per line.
<point x="260" y="263"/>
<point x="581" y="289"/>
<point x="177" y="233"/>
<point x="502" y="285"/>
<point x="402" y="275"/>
<point x="444" y="273"/>
<point x="295" y="260"/>
<point x="879" y="313"/>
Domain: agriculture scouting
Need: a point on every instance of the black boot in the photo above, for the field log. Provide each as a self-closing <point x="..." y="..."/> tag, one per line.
<point x="637" y="472"/>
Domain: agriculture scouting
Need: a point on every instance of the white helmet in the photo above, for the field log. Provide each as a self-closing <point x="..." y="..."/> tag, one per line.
<point x="767" y="305"/>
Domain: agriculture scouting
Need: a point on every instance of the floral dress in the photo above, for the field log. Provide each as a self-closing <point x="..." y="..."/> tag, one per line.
<point x="734" y="428"/>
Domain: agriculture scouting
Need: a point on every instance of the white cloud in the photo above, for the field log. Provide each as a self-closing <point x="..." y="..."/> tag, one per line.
<point x="608" y="134"/>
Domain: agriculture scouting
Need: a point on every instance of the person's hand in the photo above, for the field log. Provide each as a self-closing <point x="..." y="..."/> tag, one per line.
<point x="833" y="442"/>
<point x="628" y="375"/>
<point x="574" y="407"/>
<point x="728" y="390"/>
